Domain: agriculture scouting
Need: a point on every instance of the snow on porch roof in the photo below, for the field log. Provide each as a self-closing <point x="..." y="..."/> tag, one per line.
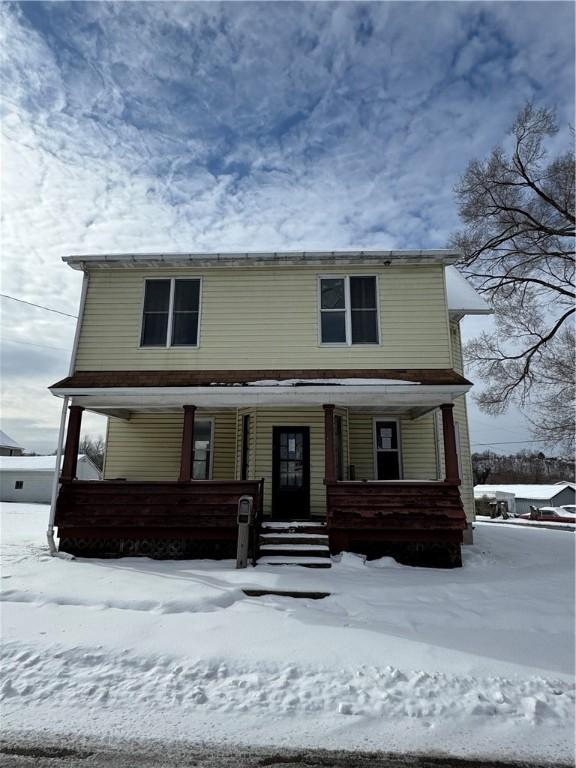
<point x="295" y="378"/>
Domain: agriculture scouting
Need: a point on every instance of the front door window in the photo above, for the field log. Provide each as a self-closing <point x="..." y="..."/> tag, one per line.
<point x="291" y="459"/>
<point x="387" y="447"/>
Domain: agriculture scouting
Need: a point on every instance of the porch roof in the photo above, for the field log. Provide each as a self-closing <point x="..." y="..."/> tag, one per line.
<point x="295" y="378"/>
<point x="415" y="390"/>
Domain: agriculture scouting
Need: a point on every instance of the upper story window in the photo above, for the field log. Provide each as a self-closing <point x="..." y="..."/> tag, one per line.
<point x="348" y="310"/>
<point x="171" y="312"/>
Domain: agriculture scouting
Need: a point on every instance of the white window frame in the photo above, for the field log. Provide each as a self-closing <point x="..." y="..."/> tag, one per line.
<point x="347" y="312"/>
<point x="210" y="420"/>
<point x="168" y="344"/>
<point x="384" y="417"/>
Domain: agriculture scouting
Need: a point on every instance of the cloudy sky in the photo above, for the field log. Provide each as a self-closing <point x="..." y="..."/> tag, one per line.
<point x="205" y="126"/>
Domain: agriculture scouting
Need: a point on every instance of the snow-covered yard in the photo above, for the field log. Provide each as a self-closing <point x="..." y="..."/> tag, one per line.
<point x="477" y="660"/>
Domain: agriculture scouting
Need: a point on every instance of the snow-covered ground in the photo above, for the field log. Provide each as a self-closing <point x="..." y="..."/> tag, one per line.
<point x="477" y="660"/>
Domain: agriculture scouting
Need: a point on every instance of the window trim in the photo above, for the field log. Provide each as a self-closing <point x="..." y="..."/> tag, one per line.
<point x="399" y="450"/>
<point x="347" y="311"/>
<point x="168" y="344"/>
<point x="211" y="420"/>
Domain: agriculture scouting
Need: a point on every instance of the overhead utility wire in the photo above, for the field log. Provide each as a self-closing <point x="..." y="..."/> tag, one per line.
<point x="30" y="344"/>
<point x="509" y="442"/>
<point x="31" y="303"/>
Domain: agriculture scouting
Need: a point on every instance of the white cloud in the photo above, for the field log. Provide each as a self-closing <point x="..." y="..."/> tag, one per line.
<point x="158" y="126"/>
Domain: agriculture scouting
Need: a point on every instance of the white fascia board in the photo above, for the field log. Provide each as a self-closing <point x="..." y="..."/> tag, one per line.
<point x="234" y="397"/>
<point x="248" y="259"/>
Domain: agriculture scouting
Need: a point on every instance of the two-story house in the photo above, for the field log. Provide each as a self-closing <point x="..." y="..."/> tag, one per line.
<point x="328" y="386"/>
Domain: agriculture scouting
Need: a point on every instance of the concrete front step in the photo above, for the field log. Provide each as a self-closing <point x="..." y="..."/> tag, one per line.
<point x="307" y="562"/>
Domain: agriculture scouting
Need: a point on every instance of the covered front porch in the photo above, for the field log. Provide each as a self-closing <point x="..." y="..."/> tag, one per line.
<point x="376" y="461"/>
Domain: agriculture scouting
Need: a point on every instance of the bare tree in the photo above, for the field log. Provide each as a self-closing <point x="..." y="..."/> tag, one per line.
<point x="94" y="449"/>
<point x="517" y="208"/>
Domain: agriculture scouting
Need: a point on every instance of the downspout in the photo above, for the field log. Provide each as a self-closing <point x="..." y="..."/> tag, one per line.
<point x="56" y="479"/>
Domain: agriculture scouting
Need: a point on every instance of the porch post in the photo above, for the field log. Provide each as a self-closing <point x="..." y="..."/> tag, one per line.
<point x="450" y="453"/>
<point x="329" y="462"/>
<point x="72" y="443"/>
<point x="187" y="452"/>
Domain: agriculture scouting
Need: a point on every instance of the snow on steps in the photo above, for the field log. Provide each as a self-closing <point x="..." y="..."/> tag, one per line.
<point x="314" y="536"/>
<point x="279" y="525"/>
<point x="310" y="562"/>
<point x="294" y="542"/>
<point x="295" y="547"/>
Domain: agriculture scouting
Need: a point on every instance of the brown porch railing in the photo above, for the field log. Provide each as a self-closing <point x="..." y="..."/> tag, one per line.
<point x="119" y="509"/>
<point x="402" y="509"/>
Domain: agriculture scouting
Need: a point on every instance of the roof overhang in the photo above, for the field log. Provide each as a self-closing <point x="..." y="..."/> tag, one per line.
<point x="130" y="399"/>
<point x="249" y="259"/>
<point x="121" y="392"/>
<point x="462" y="297"/>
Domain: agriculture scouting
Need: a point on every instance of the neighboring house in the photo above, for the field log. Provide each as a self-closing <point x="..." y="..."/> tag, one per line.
<point x="9" y="447"/>
<point x="329" y="387"/>
<point x="526" y="496"/>
<point x="29" y="478"/>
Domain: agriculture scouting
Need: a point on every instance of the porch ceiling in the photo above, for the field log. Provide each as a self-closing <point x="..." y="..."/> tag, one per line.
<point x="416" y="400"/>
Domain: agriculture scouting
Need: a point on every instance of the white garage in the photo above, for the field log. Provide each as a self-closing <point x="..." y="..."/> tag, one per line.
<point x="29" y="478"/>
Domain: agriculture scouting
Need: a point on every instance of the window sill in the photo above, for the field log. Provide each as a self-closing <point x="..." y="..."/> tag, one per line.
<point x="166" y="349"/>
<point x="344" y="345"/>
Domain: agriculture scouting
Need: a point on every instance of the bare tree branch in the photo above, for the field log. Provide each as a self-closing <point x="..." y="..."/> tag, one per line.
<point x="518" y="249"/>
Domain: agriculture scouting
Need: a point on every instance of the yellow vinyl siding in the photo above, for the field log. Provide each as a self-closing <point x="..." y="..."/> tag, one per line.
<point x="148" y="446"/>
<point x="266" y="318"/>
<point x="417" y="441"/>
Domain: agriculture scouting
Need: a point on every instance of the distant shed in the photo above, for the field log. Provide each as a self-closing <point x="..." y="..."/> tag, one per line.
<point x="8" y="446"/>
<point x="526" y="496"/>
<point x="29" y="478"/>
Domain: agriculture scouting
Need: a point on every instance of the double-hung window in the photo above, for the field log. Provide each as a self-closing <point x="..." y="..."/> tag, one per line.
<point x="348" y="310"/>
<point x="171" y="312"/>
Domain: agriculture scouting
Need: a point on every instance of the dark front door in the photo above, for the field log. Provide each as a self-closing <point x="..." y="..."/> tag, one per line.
<point x="291" y="472"/>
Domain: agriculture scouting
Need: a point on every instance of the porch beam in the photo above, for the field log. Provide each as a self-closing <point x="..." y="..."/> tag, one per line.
<point x="450" y="452"/>
<point x="69" y="464"/>
<point x="115" y="413"/>
<point x="329" y="457"/>
<point x="187" y="452"/>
